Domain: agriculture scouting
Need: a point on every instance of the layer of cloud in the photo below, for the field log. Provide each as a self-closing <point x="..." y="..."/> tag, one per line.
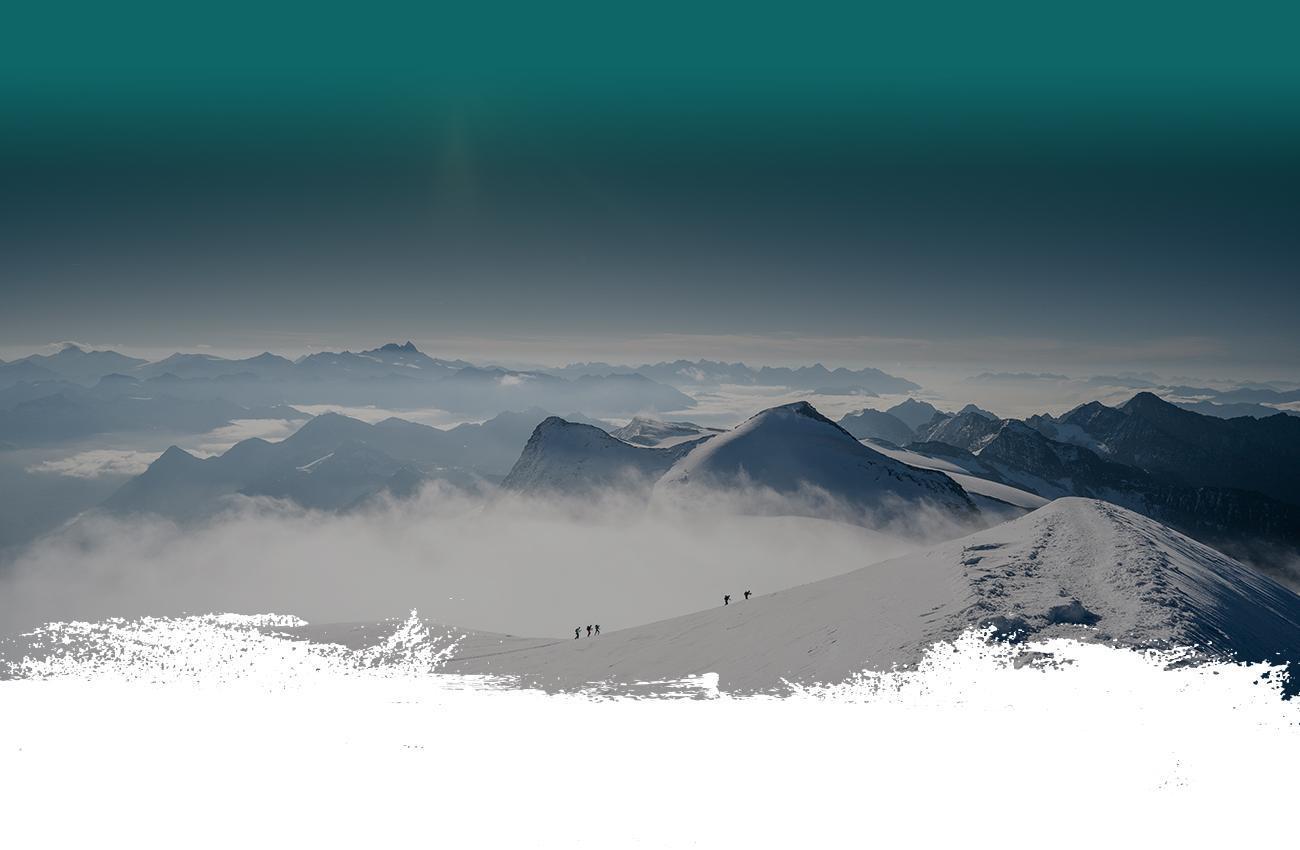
<point x="97" y="463"/>
<point x="216" y="441"/>
<point x="369" y="413"/>
<point x="520" y="566"/>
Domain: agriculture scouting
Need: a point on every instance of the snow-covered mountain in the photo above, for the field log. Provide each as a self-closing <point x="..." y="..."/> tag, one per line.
<point x="793" y="449"/>
<point x="913" y="413"/>
<point x="393" y="375"/>
<point x="1247" y="524"/>
<point x="264" y="365"/>
<point x="75" y="363"/>
<point x="576" y="459"/>
<point x="385" y="360"/>
<point x="1076" y="568"/>
<point x="968" y="430"/>
<point x="331" y="462"/>
<point x="1163" y="439"/>
<point x="875" y="424"/>
<point x="652" y="433"/>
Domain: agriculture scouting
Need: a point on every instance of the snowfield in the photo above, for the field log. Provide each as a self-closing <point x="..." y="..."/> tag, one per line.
<point x="1077" y="570"/>
<point x="971" y="483"/>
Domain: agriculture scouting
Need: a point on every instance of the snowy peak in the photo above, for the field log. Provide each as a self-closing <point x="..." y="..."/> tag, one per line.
<point x="913" y="413"/>
<point x="970" y="430"/>
<point x="788" y="412"/>
<point x="795" y="450"/>
<point x="572" y="458"/>
<point x="874" y="424"/>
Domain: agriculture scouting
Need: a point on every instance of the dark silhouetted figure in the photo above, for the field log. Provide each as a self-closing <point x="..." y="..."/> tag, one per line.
<point x="726" y="600"/>
<point x="746" y="595"/>
<point x="597" y="628"/>
<point x="588" y="631"/>
<point x="577" y="633"/>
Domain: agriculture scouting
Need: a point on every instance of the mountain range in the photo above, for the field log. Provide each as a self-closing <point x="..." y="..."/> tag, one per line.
<point x="392" y="375"/>
<point x="400" y="375"/>
<point x="52" y="412"/>
<point x="791" y="452"/>
<point x="1221" y="481"/>
<point x="1163" y="439"/>
<point x="331" y="462"/>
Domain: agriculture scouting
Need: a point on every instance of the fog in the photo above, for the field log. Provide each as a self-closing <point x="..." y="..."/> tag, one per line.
<point x="513" y="565"/>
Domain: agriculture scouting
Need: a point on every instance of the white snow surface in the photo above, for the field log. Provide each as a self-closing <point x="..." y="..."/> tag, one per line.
<point x="654" y="433"/>
<point x="969" y="481"/>
<point x="1076" y="568"/>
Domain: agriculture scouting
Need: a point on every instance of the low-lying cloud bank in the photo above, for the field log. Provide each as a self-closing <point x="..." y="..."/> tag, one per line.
<point x="96" y="463"/>
<point x="520" y="565"/>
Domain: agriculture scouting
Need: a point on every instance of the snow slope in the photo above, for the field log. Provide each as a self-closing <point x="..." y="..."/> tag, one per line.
<point x="1076" y="568"/>
<point x="792" y="448"/>
<point x="655" y="434"/>
<point x="972" y="482"/>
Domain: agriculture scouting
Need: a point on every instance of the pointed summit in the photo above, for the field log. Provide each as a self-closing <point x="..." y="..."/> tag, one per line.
<point x="172" y="464"/>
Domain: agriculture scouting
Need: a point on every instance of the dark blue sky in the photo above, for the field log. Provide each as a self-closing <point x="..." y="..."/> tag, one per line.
<point x="1124" y="190"/>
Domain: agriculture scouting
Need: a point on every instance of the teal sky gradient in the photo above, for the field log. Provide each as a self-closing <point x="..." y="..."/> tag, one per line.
<point x="1101" y="175"/>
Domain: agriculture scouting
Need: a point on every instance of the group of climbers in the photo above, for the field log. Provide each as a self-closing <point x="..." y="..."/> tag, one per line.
<point x="577" y="633"/>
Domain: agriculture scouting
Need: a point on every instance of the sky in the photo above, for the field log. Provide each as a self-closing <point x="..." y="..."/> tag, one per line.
<point x="1008" y="187"/>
